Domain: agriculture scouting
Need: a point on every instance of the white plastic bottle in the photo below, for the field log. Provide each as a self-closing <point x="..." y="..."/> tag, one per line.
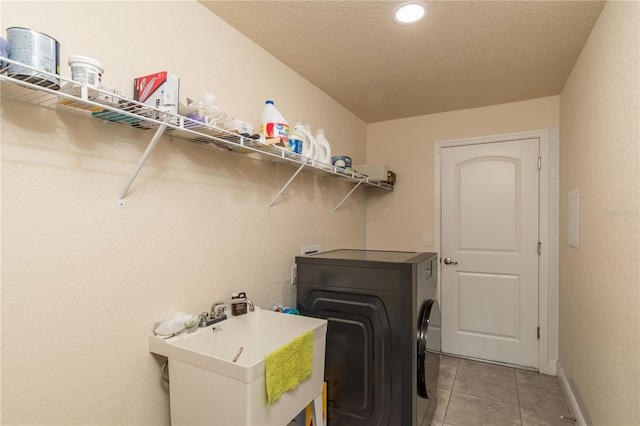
<point x="323" y="147"/>
<point x="273" y="124"/>
<point x="297" y="139"/>
<point x="309" y="144"/>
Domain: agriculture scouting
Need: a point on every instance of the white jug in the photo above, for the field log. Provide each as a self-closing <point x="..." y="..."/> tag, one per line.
<point x="323" y="148"/>
<point x="309" y="144"/>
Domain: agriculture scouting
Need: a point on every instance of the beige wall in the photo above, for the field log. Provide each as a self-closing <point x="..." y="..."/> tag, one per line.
<point x="397" y="221"/>
<point x="83" y="281"/>
<point x="599" y="296"/>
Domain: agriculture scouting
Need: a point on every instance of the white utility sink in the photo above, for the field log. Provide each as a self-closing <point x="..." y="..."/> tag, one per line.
<point x="207" y="387"/>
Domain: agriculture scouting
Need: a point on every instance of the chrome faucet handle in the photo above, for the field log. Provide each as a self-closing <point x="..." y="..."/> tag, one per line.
<point x="203" y="319"/>
<point x="215" y="305"/>
<point x="218" y="310"/>
<point x="206" y="318"/>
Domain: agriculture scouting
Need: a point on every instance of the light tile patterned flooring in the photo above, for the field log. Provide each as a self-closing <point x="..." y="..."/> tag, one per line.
<point x="473" y="393"/>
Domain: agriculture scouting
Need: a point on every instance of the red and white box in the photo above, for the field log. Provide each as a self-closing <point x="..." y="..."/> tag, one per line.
<point x="159" y="90"/>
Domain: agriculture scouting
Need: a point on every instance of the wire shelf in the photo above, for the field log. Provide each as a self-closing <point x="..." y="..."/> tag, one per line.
<point x="25" y="83"/>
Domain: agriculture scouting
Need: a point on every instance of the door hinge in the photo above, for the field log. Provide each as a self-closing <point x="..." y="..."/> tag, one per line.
<point x="539" y="163"/>
<point x="539" y="248"/>
<point x="538" y="332"/>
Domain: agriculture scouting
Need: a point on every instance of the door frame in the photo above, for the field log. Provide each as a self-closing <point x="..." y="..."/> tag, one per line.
<point x="545" y="365"/>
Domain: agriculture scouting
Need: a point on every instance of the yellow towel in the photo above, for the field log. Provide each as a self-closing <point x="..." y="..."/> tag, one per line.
<point x="288" y="365"/>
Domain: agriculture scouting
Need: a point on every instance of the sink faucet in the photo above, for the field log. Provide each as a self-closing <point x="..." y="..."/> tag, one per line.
<point x="218" y="308"/>
<point x="218" y="314"/>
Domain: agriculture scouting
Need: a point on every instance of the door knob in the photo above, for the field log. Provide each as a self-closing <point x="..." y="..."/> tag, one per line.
<point x="448" y="261"/>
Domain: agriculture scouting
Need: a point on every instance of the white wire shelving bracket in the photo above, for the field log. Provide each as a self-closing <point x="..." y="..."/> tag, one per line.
<point x="28" y="84"/>
<point x="132" y="177"/>
<point x="273" y="200"/>
<point x="348" y="195"/>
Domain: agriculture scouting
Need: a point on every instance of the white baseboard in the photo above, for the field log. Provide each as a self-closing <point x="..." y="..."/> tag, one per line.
<point x="571" y="398"/>
<point x="552" y="368"/>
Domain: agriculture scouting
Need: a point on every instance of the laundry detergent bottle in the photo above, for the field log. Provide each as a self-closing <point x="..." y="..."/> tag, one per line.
<point x="297" y="139"/>
<point x="273" y="124"/>
<point x="323" y="148"/>
<point x="308" y="142"/>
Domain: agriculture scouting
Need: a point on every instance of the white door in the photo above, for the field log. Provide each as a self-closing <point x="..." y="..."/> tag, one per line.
<point x="489" y="232"/>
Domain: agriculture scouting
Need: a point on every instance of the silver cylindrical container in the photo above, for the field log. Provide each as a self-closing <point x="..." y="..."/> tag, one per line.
<point x="36" y="50"/>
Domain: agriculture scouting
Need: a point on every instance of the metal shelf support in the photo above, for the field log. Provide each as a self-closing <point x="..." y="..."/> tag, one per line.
<point x="273" y="200"/>
<point x="348" y="195"/>
<point x="154" y="141"/>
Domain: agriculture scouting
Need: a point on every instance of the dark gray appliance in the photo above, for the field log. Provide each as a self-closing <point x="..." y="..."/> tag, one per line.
<point x="383" y="336"/>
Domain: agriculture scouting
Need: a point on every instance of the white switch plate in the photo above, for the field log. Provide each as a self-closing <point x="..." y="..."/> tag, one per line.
<point x="426" y="239"/>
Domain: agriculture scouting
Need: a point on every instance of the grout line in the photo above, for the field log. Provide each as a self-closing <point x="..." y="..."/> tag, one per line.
<point x="515" y="376"/>
<point x="455" y="375"/>
<point x="485" y="398"/>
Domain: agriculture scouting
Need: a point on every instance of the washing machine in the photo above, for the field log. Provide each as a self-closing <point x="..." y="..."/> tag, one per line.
<point x="383" y="335"/>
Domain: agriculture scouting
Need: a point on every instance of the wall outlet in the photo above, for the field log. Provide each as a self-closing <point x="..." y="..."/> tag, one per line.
<point x="312" y="249"/>
<point x="426" y="239"/>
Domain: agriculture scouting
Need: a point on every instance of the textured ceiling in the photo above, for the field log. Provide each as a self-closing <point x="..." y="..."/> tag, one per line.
<point x="464" y="54"/>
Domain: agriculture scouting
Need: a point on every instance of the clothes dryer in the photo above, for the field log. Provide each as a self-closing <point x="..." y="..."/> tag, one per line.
<point x="383" y="336"/>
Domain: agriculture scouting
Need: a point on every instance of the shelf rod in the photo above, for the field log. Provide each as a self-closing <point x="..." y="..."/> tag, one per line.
<point x="154" y="141"/>
<point x="349" y="194"/>
<point x="286" y="185"/>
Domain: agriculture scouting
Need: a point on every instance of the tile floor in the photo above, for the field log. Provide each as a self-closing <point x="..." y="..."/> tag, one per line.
<point x="473" y="393"/>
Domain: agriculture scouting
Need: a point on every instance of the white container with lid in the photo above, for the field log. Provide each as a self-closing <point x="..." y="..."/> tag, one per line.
<point x="86" y="70"/>
<point x="273" y="124"/>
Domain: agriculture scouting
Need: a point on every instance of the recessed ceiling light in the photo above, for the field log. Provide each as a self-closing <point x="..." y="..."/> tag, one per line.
<point x="411" y="12"/>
